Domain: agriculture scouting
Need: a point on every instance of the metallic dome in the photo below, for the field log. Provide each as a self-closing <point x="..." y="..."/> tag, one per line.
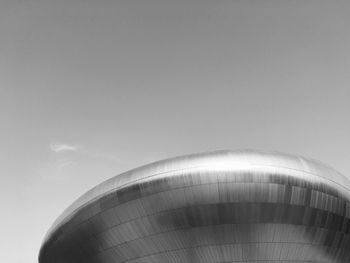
<point x="225" y="206"/>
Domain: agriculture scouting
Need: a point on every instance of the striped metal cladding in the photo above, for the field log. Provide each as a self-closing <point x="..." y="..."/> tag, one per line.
<point x="226" y="206"/>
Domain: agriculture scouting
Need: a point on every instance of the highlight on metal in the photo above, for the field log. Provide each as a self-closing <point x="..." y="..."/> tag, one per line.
<point x="225" y="206"/>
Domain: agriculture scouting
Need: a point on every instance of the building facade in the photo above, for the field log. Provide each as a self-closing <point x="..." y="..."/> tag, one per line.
<point x="226" y="206"/>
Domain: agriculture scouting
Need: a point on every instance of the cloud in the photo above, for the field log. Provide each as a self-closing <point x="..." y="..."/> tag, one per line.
<point x="68" y="159"/>
<point x="80" y="151"/>
<point x="61" y="147"/>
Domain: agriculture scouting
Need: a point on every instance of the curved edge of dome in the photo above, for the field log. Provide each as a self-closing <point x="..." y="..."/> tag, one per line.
<point x="251" y="157"/>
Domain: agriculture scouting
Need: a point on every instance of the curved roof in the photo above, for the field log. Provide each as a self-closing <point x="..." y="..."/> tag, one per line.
<point x="242" y="160"/>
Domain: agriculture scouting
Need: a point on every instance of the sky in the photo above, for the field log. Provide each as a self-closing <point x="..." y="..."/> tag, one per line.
<point x="90" y="89"/>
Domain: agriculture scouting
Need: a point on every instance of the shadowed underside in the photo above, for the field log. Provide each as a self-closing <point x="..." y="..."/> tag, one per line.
<point x="242" y="206"/>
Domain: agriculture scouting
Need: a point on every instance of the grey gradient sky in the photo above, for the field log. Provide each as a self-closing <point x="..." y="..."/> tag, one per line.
<point x="90" y="89"/>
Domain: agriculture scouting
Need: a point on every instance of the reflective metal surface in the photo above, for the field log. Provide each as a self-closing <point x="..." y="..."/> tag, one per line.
<point x="242" y="206"/>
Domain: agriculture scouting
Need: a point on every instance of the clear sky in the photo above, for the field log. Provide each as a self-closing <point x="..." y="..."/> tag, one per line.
<point x="89" y="89"/>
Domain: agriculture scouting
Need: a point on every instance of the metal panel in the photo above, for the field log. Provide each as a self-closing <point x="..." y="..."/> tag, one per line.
<point x="218" y="207"/>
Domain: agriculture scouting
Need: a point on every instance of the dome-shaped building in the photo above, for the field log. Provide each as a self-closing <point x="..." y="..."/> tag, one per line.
<point x="226" y="206"/>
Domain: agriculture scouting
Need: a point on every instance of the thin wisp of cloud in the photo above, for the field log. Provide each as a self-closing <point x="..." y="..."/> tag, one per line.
<point x="61" y="147"/>
<point x="82" y="151"/>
